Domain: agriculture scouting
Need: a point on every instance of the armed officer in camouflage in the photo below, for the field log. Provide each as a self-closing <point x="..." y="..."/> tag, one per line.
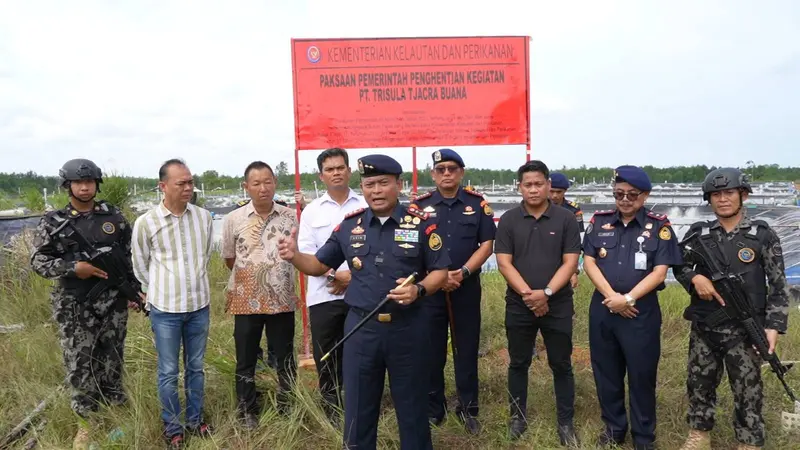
<point x="750" y="248"/>
<point x="90" y="314"/>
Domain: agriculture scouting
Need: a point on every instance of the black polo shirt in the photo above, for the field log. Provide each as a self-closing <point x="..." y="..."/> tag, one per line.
<point x="537" y="247"/>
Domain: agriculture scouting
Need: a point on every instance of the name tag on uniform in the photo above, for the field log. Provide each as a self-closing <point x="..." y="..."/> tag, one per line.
<point x="406" y="235"/>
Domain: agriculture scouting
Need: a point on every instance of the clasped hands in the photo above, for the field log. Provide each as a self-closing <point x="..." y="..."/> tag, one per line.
<point x="617" y="304"/>
<point x="536" y="301"/>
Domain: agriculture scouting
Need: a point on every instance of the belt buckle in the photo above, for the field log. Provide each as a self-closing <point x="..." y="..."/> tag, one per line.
<point x="385" y="318"/>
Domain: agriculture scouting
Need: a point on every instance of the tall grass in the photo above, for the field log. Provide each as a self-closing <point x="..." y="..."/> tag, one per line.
<point x="32" y="368"/>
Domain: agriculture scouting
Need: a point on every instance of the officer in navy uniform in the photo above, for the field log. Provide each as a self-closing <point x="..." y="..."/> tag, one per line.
<point x="560" y="184"/>
<point x="465" y="220"/>
<point x="383" y="245"/>
<point x="627" y="252"/>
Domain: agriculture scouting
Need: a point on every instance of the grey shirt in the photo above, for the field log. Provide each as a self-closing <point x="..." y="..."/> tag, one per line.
<point x="537" y="248"/>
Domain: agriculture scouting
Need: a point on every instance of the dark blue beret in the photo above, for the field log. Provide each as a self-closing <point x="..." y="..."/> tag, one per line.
<point x="559" y="181"/>
<point x="374" y="165"/>
<point x="446" y="154"/>
<point x="634" y="176"/>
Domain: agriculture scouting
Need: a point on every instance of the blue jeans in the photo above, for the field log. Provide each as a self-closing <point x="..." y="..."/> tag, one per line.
<point x="172" y="329"/>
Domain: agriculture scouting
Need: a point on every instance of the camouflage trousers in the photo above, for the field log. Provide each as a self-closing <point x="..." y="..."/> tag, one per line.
<point x="92" y="341"/>
<point x="711" y="351"/>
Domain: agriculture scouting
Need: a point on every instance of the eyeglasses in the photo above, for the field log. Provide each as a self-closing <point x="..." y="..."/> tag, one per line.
<point x="632" y="196"/>
<point x="442" y="169"/>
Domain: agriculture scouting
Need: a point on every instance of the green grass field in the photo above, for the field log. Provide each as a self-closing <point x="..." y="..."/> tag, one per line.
<point x="31" y="368"/>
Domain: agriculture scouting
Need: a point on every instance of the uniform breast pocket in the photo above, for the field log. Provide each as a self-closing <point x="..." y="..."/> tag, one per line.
<point x="468" y="227"/>
<point x="406" y="250"/>
<point x="357" y="249"/>
<point x="605" y="244"/>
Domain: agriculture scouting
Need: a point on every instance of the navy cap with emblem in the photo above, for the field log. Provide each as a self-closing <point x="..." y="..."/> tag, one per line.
<point x="634" y="176"/>
<point x="446" y="154"/>
<point x="559" y="181"/>
<point x="374" y="165"/>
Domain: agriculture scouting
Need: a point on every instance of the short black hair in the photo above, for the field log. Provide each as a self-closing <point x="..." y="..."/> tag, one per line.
<point x="162" y="171"/>
<point x="533" y="166"/>
<point x="257" y="165"/>
<point x="332" y="153"/>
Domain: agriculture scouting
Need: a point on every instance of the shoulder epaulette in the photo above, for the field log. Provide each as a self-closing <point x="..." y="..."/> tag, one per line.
<point x="417" y="213"/>
<point x="604" y="212"/>
<point x="355" y="213"/>
<point x="475" y="193"/>
<point x="657" y="216"/>
<point x="241" y="203"/>
<point x="424" y="196"/>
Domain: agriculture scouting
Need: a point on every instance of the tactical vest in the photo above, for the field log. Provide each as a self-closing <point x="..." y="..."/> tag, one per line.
<point x="740" y="255"/>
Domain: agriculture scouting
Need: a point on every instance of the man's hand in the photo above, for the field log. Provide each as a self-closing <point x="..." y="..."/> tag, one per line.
<point x="341" y="279"/>
<point x="536" y="301"/>
<point x="134" y="306"/>
<point x="287" y="246"/>
<point x="705" y="289"/>
<point x="616" y="303"/>
<point x="454" y="280"/>
<point x="84" y="270"/>
<point x="404" y="295"/>
<point x="772" y="338"/>
<point x="573" y="280"/>
<point x="299" y="199"/>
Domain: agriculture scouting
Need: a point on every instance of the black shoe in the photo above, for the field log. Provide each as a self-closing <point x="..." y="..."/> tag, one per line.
<point x="567" y="436"/>
<point x="249" y="421"/>
<point x="606" y="439"/>
<point x="516" y="427"/>
<point x="471" y="423"/>
<point x="435" y="421"/>
<point x="638" y="446"/>
<point x="203" y="430"/>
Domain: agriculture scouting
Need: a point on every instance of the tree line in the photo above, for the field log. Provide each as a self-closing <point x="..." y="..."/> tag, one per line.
<point x="17" y="183"/>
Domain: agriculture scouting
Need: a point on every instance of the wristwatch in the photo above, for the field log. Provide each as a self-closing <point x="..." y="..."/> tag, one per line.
<point x="548" y="292"/>
<point x="465" y="272"/>
<point x="629" y="300"/>
<point x="421" y="291"/>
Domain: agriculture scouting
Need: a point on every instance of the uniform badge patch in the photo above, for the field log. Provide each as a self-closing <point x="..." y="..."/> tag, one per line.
<point x="406" y="235"/>
<point x="435" y="242"/>
<point x="356" y="263"/>
<point x="646" y="234"/>
<point x="405" y="245"/>
<point x="429" y="209"/>
<point x="108" y="228"/>
<point x="416" y="221"/>
<point x="468" y="211"/>
<point x="487" y="210"/>
<point x="648" y="226"/>
<point x="437" y="156"/>
<point x="665" y="234"/>
<point x="607" y="226"/>
<point x="74" y="213"/>
<point x="602" y="253"/>
<point x="357" y="230"/>
<point x="747" y="255"/>
<point x="589" y="228"/>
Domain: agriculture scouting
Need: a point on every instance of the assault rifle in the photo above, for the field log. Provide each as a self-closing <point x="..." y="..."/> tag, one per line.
<point x="110" y="259"/>
<point x="731" y="287"/>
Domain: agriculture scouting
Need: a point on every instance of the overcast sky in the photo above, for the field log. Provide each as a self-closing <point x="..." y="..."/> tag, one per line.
<point x="132" y="83"/>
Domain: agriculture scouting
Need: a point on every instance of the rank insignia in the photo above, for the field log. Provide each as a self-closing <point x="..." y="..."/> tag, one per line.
<point x="357" y="230"/>
<point x="108" y="228"/>
<point x="747" y="255"/>
<point x="404" y="245"/>
<point x="607" y="226"/>
<point x="488" y="210"/>
<point x="437" y="156"/>
<point x="602" y="253"/>
<point x="664" y="234"/>
<point x="649" y="226"/>
<point x="468" y="211"/>
<point x="435" y="242"/>
<point x="356" y="263"/>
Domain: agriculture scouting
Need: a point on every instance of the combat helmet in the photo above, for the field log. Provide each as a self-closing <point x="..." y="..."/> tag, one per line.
<point x="725" y="178"/>
<point x="80" y="169"/>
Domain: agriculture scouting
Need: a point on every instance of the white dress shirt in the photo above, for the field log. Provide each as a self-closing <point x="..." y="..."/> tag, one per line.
<point x="317" y="222"/>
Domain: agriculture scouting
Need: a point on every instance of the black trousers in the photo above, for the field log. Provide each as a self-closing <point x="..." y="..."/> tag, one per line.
<point x="521" y="328"/>
<point x="327" y="328"/>
<point x="247" y="335"/>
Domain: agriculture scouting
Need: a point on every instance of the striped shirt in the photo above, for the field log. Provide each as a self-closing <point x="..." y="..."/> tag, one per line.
<point x="170" y="258"/>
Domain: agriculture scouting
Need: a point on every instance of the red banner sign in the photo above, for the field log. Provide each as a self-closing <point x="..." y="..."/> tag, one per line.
<point x="425" y="92"/>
